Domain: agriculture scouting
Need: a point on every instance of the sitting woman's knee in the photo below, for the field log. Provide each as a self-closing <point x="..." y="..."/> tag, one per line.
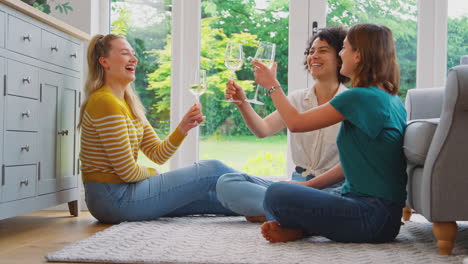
<point x="278" y="191"/>
<point x="223" y="184"/>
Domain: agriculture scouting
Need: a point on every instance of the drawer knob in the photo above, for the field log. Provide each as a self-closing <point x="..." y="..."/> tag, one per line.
<point x="27" y="113"/>
<point x="25" y="148"/>
<point x="27" y="80"/>
<point x="25" y="182"/>
<point x="54" y="48"/>
<point x="63" y="132"/>
<point x="27" y="37"/>
<point x="73" y="55"/>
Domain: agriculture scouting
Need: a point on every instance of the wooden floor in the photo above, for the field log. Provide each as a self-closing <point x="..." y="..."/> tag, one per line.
<point x="27" y="239"/>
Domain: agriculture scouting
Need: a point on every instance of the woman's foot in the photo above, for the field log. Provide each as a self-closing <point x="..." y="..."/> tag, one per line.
<point x="273" y="232"/>
<point x="256" y="219"/>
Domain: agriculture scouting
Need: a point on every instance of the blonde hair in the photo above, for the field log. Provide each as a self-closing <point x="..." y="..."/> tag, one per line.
<point x="378" y="57"/>
<point x="100" y="46"/>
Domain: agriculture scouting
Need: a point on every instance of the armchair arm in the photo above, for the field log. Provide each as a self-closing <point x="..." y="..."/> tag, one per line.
<point x="424" y="103"/>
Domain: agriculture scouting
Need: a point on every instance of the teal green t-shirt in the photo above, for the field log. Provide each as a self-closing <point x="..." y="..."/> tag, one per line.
<point x="370" y="143"/>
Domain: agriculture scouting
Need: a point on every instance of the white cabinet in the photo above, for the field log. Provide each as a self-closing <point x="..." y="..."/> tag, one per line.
<point x="41" y="79"/>
<point x="57" y="134"/>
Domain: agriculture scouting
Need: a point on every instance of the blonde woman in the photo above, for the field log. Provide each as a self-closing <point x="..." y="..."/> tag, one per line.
<point x="114" y="128"/>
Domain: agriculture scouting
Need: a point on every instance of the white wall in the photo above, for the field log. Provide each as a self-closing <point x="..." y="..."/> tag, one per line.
<point x="90" y="16"/>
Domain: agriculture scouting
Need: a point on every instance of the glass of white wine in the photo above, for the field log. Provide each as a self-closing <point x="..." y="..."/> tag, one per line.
<point x="199" y="86"/>
<point x="266" y="55"/>
<point x="233" y="59"/>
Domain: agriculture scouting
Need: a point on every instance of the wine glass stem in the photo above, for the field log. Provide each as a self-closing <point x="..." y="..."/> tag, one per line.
<point x="256" y="92"/>
<point x="233" y="75"/>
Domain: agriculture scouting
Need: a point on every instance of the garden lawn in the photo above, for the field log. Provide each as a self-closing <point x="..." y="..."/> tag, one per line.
<point x="260" y="157"/>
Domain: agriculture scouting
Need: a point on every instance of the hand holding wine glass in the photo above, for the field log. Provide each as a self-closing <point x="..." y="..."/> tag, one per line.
<point x="191" y="119"/>
<point x="266" y="55"/>
<point x="233" y="59"/>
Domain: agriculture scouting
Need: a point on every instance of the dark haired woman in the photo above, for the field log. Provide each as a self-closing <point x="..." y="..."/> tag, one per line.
<point x="313" y="152"/>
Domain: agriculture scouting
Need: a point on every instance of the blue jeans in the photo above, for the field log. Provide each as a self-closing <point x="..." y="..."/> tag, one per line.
<point x="185" y="191"/>
<point x="342" y="218"/>
<point x="244" y="194"/>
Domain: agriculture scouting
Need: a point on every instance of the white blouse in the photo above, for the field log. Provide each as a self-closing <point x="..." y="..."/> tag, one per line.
<point x="315" y="151"/>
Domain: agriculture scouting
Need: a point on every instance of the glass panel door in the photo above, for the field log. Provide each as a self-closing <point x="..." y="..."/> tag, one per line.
<point x="457" y="33"/>
<point x="147" y="27"/>
<point x="225" y="135"/>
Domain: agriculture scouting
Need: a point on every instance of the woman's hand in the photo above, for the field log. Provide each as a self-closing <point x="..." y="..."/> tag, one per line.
<point x="235" y="92"/>
<point x="191" y="119"/>
<point x="264" y="76"/>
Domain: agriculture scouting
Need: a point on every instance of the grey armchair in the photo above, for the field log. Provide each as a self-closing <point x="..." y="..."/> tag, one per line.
<point x="436" y="146"/>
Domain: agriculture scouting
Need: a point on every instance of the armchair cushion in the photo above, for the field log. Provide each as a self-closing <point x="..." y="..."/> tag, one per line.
<point x="418" y="138"/>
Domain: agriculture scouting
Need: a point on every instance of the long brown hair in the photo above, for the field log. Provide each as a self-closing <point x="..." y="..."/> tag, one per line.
<point x="100" y="46"/>
<point x="378" y="63"/>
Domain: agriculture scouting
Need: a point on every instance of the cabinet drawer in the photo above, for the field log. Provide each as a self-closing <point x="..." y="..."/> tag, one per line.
<point x="23" y="37"/>
<point x="20" y="148"/>
<point x="22" y="79"/>
<point x="60" y="51"/>
<point x="21" y="113"/>
<point x="19" y="182"/>
<point x="2" y="29"/>
<point x="73" y="56"/>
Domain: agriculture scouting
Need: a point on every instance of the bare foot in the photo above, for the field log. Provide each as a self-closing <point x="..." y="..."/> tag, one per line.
<point x="273" y="232"/>
<point x="256" y="219"/>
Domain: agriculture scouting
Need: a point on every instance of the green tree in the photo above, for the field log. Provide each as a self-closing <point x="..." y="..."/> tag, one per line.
<point x="151" y="36"/>
<point x="212" y="53"/>
<point x="457" y="32"/>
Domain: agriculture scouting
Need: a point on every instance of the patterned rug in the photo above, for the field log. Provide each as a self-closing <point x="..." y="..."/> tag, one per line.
<point x="233" y="240"/>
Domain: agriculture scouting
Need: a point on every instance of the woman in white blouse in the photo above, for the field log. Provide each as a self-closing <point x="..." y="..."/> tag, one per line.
<point x="313" y="152"/>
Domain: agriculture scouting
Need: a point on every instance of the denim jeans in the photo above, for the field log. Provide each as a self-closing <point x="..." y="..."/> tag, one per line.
<point x="342" y="218"/>
<point x="185" y="191"/>
<point x="244" y="194"/>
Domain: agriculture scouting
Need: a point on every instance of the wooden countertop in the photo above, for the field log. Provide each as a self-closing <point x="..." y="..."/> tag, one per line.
<point x="47" y="19"/>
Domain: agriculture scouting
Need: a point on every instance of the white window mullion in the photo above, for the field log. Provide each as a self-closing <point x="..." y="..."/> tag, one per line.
<point x="186" y="18"/>
<point x="432" y="43"/>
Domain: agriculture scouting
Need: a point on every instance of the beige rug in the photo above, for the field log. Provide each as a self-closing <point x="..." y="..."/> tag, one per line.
<point x="233" y="240"/>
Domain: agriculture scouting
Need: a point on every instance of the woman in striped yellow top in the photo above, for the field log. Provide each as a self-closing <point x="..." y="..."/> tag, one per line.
<point x="113" y="130"/>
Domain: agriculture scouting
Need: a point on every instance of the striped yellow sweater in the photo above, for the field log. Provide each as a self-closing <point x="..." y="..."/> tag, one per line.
<point x="111" y="137"/>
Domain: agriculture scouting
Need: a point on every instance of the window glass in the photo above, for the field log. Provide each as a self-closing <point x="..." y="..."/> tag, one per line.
<point x="225" y="135"/>
<point x="147" y="27"/>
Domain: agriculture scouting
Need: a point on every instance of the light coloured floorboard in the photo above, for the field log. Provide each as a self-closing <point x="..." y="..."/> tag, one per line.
<point x="28" y="238"/>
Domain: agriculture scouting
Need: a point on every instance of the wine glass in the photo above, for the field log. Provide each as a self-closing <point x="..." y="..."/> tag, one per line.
<point x="199" y="87"/>
<point x="266" y="55"/>
<point x="233" y="59"/>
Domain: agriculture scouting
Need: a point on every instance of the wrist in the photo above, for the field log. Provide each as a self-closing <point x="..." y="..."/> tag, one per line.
<point x="272" y="89"/>
<point x="182" y="131"/>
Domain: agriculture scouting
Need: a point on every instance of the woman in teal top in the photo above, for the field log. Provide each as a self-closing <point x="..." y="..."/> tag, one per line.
<point x="369" y="142"/>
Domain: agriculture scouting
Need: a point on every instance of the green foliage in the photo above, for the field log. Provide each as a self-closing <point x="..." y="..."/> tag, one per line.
<point x="44" y="6"/>
<point x="457" y="40"/>
<point x="64" y="8"/>
<point x="265" y="164"/>
<point x="143" y="40"/>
